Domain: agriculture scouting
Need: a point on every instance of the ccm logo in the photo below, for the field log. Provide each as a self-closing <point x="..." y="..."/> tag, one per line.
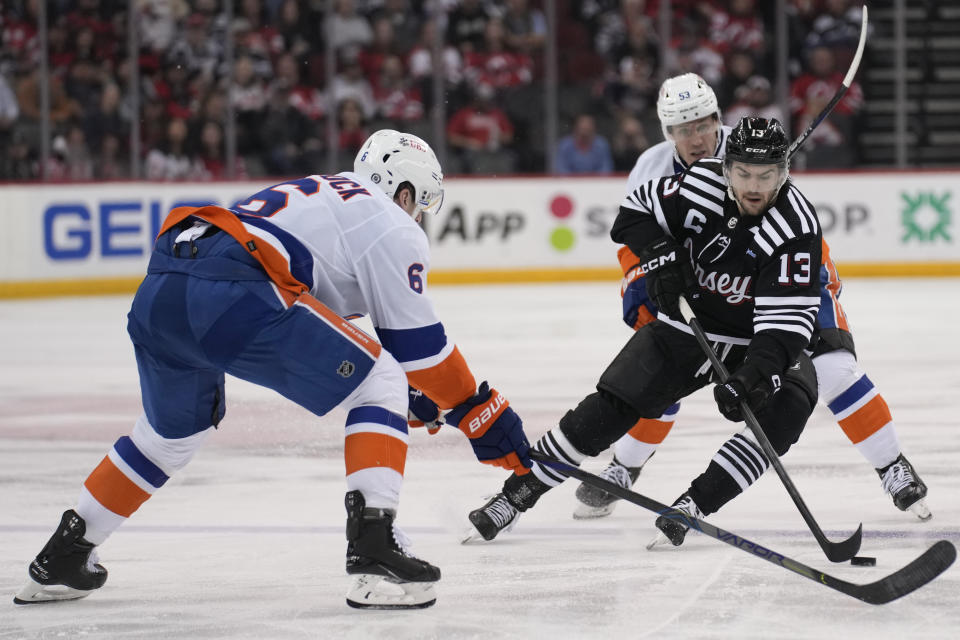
<point x="659" y="262"/>
<point x="489" y="411"/>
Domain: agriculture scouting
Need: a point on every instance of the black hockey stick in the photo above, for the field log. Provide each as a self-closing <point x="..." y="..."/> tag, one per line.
<point x="919" y="572"/>
<point x="847" y="81"/>
<point x="835" y="551"/>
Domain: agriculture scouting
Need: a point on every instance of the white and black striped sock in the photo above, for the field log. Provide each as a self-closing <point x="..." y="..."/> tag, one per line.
<point x="742" y="458"/>
<point x="555" y="444"/>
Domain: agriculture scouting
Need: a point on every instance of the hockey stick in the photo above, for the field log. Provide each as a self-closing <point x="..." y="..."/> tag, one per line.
<point x="835" y="551"/>
<point x="919" y="572"/>
<point x="847" y="81"/>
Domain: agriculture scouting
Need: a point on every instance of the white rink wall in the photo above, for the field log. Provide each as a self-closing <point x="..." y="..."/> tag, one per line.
<point x="85" y="235"/>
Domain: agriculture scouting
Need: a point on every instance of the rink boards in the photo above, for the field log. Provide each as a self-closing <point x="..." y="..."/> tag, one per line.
<point x="96" y="238"/>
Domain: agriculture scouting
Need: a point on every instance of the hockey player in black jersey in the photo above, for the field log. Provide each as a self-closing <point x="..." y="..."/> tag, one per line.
<point x="742" y="244"/>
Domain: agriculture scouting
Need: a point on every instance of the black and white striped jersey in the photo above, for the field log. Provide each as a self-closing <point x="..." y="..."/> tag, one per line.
<point x="758" y="275"/>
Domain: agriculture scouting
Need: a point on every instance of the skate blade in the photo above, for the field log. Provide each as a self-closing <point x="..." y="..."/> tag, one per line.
<point x="471" y="536"/>
<point x="35" y="593"/>
<point x="377" y="592"/>
<point x="659" y="540"/>
<point x="586" y="512"/>
<point x="920" y="509"/>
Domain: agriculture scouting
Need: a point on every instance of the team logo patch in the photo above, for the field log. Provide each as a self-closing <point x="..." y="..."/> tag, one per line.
<point x="731" y="223"/>
<point x="346" y="369"/>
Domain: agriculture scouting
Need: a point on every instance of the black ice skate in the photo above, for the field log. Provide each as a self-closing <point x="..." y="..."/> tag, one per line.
<point x="597" y="503"/>
<point x="674" y="530"/>
<point x="66" y="568"/>
<point x="386" y="574"/>
<point x="495" y="516"/>
<point x="905" y="486"/>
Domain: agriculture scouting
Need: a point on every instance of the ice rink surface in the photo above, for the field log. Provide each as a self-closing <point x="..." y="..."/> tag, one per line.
<point x="248" y="541"/>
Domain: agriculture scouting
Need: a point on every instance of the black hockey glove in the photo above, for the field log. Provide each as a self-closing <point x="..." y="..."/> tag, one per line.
<point x="669" y="274"/>
<point x="748" y="384"/>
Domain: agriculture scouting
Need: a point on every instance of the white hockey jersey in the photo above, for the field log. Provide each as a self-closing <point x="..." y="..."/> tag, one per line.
<point x="343" y="241"/>
<point x="662" y="160"/>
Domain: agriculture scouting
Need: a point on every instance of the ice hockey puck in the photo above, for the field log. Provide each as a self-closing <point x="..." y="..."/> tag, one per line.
<point x="864" y="561"/>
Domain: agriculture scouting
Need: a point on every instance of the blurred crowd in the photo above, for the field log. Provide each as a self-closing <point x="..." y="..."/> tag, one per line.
<point x="609" y="64"/>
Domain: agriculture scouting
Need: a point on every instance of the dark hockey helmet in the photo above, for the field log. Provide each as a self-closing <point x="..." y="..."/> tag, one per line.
<point x="758" y="141"/>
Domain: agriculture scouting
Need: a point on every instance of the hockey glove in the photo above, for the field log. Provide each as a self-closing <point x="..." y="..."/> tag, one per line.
<point x="423" y="412"/>
<point x="669" y="274"/>
<point x="638" y="308"/>
<point x="748" y="384"/>
<point x="495" y="430"/>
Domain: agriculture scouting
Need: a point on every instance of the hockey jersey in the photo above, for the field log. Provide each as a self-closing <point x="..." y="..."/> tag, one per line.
<point x="343" y="241"/>
<point x="757" y="275"/>
<point x="662" y="160"/>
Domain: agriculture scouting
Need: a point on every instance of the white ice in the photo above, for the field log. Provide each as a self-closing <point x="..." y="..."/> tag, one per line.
<point x="248" y="542"/>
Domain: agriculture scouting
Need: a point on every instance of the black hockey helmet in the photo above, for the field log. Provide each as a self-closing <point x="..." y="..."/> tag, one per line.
<point x="758" y="141"/>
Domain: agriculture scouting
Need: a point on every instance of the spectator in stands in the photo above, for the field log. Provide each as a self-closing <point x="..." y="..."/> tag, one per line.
<point x="347" y="28"/>
<point x="19" y="161"/>
<point x="9" y="112"/>
<point x="351" y="125"/>
<point x="106" y="119"/>
<point x="741" y="65"/>
<point x="77" y="157"/>
<point x="584" y="150"/>
<point x="62" y="108"/>
<point x="397" y="98"/>
<point x="830" y="144"/>
<point x="466" y="25"/>
<point x="631" y="87"/>
<point x="287" y="137"/>
<point x="249" y="99"/>
<point x="627" y="144"/>
<point x="421" y="67"/>
<point x="406" y="20"/>
<point x="493" y="64"/>
<point x="295" y="30"/>
<point x="754" y="98"/>
<point x="382" y="46"/>
<point x="478" y="129"/>
<point x="738" y="27"/>
<point x="526" y="27"/>
<point x="110" y="164"/>
<point x="838" y="28"/>
<point x="212" y="154"/>
<point x="351" y="83"/>
<point x="692" y="53"/>
<point x="157" y="23"/>
<point x="171" y="160"/>
<point x="308" y="100"/>
<point x="200" y="53"/>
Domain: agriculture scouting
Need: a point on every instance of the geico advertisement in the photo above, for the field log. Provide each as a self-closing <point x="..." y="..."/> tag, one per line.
<point x="97" y="230"/>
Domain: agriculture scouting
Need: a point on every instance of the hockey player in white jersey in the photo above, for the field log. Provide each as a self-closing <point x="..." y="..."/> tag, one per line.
<point x="690" y="119"/>
<point x="261" y="290"/>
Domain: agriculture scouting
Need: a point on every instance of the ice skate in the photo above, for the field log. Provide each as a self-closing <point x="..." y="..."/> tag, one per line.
<point x="597" y="503"/>
<point x="386" y="574"/>
<point x="673" y="529"/>
<point x="905" y="487"/>
<point x="495" y="516"/>
<point x="66" y="568"/>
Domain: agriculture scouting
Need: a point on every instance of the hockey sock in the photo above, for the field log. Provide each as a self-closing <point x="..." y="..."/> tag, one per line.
<point x="736" y="465"/>
<point x="860" y="410"/>
<point x="375" y="453"/>
<point x="642" y="440"/>
<point x="129" y="474"/>
<point x="556" y="445"/>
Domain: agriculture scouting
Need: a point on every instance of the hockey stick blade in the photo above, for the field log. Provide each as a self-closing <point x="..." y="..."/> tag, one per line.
<point x="835" y="551"/>
<point x="838" y="96"/>
<point x="919" y="572"/>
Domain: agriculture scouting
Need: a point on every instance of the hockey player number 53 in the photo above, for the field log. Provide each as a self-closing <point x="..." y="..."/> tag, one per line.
<point x="794" y="269"/>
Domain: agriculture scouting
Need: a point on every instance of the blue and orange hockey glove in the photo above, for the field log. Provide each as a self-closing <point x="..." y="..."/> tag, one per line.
<point x="423" y="412"/>
<point x="638" y="308"/>
<point x="495" y="430"/>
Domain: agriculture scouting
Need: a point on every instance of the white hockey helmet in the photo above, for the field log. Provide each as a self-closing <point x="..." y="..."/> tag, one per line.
<point x="683" y="99"/>
<point x="389" y="158"/>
